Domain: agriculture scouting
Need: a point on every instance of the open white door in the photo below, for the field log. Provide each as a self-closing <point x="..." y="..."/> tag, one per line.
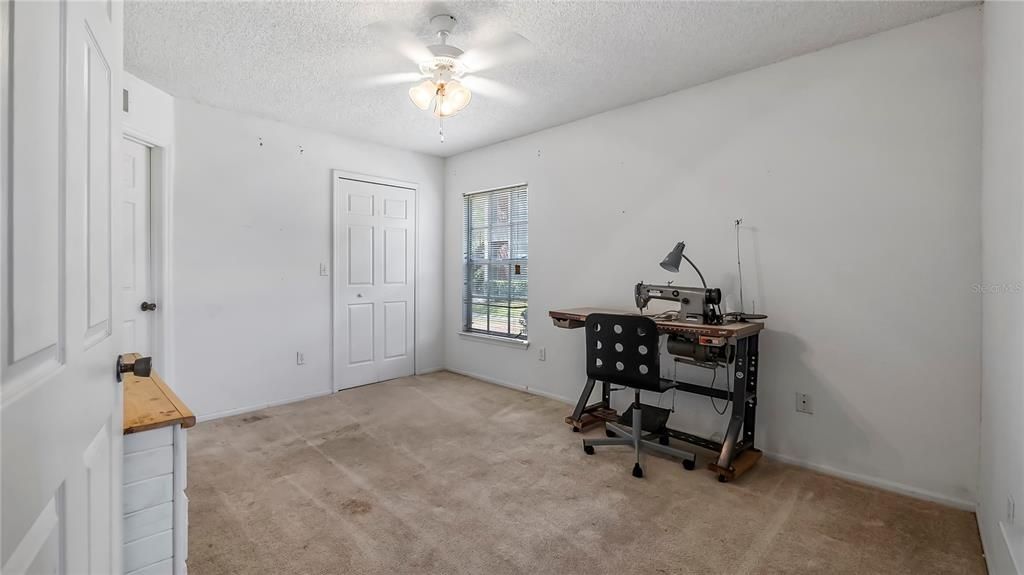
<point x="134" y="242"/>
<point x="60" y="434"/>
<point x="374" y="274"/>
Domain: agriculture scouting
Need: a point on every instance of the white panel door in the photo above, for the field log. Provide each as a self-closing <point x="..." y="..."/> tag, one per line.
<point x="60" y="406"/>
<point x="133" y="247"/>
<point x="374" y="247"/>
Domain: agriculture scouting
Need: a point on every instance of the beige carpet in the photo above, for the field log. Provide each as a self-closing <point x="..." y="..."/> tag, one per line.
<point x="443" y="474"/>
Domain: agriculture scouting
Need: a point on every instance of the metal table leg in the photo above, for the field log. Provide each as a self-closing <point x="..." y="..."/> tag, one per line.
<point x="739" y="405"/>
<point x="750" y="415"/>
<point x="581" y="405"/>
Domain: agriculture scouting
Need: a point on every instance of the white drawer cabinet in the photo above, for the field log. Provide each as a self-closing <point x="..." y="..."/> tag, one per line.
<point x="155" y="509"/>
<point x="154" y="506"/>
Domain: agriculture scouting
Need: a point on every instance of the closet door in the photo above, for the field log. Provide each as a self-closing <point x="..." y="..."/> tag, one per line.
<point x="374" y="294"/>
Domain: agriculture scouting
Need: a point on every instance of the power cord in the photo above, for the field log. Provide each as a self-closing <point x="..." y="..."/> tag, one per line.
<point x="712" y="398"/>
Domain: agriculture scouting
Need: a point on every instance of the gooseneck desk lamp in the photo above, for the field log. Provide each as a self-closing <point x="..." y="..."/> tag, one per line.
<point x="676" y="257"/>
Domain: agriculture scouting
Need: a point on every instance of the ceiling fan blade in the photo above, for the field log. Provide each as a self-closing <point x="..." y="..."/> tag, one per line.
<point x="388" y="79"/>
<point x="493" y="89"/>
<point x="494" y="45"/>
<point x="404" y="41"/>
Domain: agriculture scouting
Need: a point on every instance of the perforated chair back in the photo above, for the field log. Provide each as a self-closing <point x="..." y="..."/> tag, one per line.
<point x="623" y="349"/>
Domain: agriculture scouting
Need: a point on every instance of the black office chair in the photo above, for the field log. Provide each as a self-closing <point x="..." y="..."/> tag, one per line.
<point x="623" y="350"/>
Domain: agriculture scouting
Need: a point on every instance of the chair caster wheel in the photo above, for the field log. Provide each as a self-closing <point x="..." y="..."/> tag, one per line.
<point x="663" y="440"/>
<point x="689" y="464"/>
<point x="609" y="433"/>
<point x="588" y="449"/>
<point x="722" y="479"/>
<point x="638" y="471"/>
<point x="575" y="430"/>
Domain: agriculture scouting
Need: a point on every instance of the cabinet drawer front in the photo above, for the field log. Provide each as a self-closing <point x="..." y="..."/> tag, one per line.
<point x="147" y="464"/>
<point x="148" y="522"/>
<point x="148" y="439"/>
<point x="149" y="550"/>
<point x="148" y="493"/>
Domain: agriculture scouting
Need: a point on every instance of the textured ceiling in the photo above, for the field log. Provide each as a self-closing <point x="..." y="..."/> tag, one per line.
<point x="304" y="62"/>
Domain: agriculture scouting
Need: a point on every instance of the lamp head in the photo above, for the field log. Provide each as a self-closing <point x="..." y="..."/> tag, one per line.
<point x="674" y="258"/>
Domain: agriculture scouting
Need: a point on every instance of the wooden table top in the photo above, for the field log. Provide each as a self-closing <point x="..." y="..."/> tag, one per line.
<point x="150" y="404"/>
<point x="738" y="329"/>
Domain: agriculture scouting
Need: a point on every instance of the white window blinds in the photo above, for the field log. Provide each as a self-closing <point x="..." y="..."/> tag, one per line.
<point x="496" y="258"/>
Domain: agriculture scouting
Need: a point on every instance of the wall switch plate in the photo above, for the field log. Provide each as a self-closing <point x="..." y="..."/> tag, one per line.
<point x="323" y="269"/>
<point x="542" y="354"/>
<point x="803" y="403"/>
<point x="300" y="359"/>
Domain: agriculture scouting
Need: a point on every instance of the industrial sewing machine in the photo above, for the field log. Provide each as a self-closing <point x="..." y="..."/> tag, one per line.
<point x="697" y="305"/>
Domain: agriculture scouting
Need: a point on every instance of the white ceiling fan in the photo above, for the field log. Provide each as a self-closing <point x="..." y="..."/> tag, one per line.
<point x="446" y="79"/>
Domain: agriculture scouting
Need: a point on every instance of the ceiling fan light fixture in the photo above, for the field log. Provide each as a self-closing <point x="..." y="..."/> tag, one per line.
<point x="457" y="96"/>
<point x="452" y="98"/>
<point x="422" y="94"/>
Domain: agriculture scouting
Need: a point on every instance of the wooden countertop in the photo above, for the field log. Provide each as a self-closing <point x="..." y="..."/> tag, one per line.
<point x="150" y="404"/>
<point x="575" y="317"/>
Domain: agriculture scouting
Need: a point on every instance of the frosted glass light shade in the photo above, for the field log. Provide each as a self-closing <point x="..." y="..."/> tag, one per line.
<point x="457" y="95"/>
<point x="422" y="94"/>
<point x="452" y="98"/>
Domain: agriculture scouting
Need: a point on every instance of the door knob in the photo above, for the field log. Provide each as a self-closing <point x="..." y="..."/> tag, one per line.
<point x="141" y="367"/>
<point x="146" y="306"/>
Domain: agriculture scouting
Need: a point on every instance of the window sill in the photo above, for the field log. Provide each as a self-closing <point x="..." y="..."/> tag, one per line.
<point x="497" y="340"/>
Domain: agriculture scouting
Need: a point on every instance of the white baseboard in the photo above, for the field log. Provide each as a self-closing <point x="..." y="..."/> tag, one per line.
<point x="826" y="469"/>
<point x="257" y="407"/>
<point x="885" y="484"/>
<point x="525" y="388"/>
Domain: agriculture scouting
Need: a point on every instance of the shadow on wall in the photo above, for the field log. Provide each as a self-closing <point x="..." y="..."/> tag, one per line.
<point x="831" y="435"/>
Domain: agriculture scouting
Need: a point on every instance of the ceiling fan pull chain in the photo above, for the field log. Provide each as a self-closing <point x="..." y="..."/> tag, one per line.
<point x="441" y="131"/>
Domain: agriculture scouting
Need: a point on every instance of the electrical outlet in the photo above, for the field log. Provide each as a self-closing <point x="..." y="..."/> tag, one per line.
<point x="542" y="354"/>
<point x="300" y="359"/>
<point x="803" y="403"/>
<point x="1010" y="509"/>
<point x="323" y="269"/>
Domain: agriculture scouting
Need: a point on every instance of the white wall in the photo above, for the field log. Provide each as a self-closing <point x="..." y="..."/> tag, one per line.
<point x="857" y="170"/>
<point x="150" y="112"/>
<point x="252" y="224"/>
<point x="1002" y="395"/>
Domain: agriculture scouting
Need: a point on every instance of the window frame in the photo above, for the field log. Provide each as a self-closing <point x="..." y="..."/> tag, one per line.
<point x="468" y="262"/>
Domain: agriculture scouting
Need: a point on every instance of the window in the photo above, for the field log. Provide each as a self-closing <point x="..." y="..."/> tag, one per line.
<point x="496" y="254"/>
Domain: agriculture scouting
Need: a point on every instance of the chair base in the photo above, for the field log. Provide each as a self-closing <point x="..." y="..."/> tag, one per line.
<point x="641" y="442"/>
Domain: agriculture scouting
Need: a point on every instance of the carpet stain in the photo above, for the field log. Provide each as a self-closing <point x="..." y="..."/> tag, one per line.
<point x="356" y="506"/>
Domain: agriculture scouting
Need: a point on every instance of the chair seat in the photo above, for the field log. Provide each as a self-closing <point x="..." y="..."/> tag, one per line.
<point x="653" y="418"/>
